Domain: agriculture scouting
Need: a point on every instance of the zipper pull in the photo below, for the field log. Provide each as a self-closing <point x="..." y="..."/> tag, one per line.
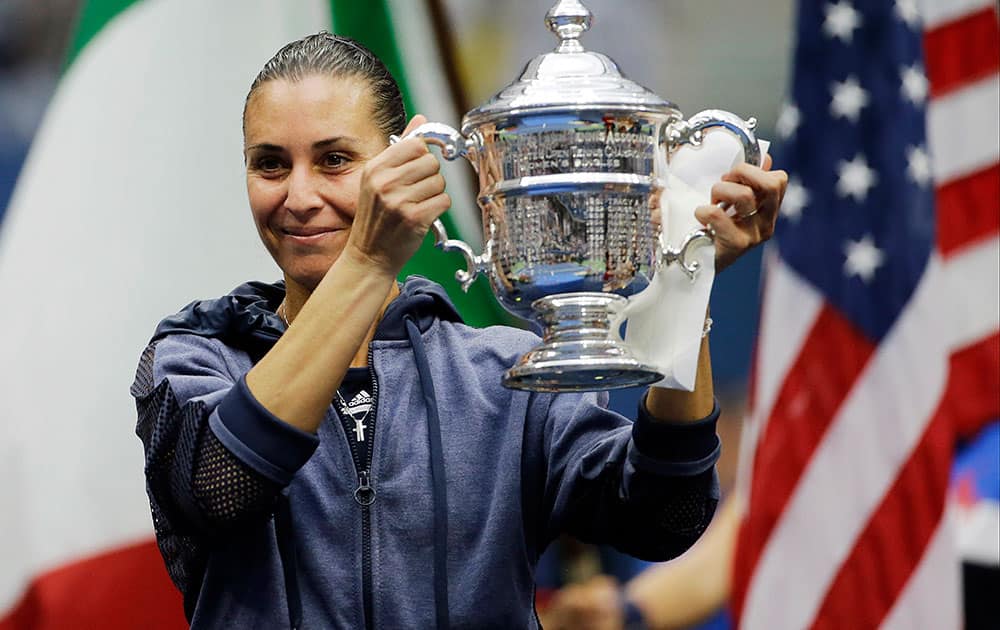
<point x="364" y="494"/>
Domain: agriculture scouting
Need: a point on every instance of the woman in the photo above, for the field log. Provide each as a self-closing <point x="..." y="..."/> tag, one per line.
<point x="336" y="450"/>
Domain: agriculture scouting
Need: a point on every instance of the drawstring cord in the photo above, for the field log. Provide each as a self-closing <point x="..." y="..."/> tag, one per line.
<point x="289" y="561"/>
<point x="437" y="477"/>
<point x="286" y="543"/>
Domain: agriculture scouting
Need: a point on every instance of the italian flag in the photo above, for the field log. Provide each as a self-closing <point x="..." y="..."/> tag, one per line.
<point x="131" y="203"/>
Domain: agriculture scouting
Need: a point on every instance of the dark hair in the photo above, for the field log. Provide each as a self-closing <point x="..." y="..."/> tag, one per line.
<point x="326" y="54"/>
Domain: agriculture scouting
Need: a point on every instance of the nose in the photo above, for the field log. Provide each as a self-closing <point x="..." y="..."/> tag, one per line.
<point x="303" y="191"/>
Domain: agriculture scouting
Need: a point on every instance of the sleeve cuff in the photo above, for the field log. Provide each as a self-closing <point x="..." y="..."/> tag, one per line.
<point x="258" y="438"/>
<point x="675" y="448"/>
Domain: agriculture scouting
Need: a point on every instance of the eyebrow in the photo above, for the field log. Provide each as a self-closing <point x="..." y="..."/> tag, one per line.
<point x="264" y="147"/>
<point x="320" y="144"/>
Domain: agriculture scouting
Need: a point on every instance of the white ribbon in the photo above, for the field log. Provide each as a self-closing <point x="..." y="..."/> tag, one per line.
<point x="666" y="320"/>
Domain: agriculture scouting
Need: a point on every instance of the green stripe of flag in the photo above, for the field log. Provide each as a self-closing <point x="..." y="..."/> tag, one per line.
<point x="370" y="23"/>
<point x="93" y="16"/>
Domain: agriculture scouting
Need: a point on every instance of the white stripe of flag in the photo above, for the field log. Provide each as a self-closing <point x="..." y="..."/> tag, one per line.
<point x="936" y="13"/>
<point x="963" y="130"/>
<point x="923" y="605"/>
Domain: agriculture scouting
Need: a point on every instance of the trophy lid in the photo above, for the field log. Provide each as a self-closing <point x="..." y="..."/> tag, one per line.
<point x="570" y="76"/>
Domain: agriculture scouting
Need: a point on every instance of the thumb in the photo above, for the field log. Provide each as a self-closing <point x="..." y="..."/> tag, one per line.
<point x="415" y="122"/>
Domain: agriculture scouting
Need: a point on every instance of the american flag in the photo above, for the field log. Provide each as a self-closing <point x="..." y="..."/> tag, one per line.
<point x="879" y="347"/>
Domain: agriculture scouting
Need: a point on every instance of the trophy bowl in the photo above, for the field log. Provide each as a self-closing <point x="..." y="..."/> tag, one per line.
<point x="571" y="160"/>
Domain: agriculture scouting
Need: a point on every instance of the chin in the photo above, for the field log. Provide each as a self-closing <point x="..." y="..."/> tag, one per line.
<point x="307" y="273"/>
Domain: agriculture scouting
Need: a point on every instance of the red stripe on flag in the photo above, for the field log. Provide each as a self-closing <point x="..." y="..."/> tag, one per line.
<point x="976" y="399"/>
<point x="123" y="589"/>
<point x="895" y="539"/>
<point x="962" y="52"/>
<point x="891" y="545"/>
<point x="833" y="355"/>
<point x="968" y="209"/>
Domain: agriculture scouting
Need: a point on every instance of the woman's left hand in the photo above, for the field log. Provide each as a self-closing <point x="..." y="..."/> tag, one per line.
<point x="755" y="194"/>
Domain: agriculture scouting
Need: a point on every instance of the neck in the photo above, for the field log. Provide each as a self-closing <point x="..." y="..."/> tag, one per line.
<point x="296" y="296"/>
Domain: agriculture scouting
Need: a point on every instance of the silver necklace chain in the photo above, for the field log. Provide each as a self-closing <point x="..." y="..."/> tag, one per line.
<point x="359" y="426"/>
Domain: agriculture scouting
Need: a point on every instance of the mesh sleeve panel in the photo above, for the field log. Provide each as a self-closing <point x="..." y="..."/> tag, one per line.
<point x="184" y="553"/>
<point x="688" y="508"/>
<point x="225" y="488"/>
<point x="196" y="487"/>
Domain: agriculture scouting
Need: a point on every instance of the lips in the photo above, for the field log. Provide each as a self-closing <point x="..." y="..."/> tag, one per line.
<point x="307" y="231"/>
<point x="308" y="236"/>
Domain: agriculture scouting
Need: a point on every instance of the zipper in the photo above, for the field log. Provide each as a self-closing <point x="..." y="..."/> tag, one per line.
<point x="364" y="493"/>
<point x="367" y="493"/>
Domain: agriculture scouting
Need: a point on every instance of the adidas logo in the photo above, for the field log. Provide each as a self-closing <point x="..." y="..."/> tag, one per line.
<point x="360" y="403"/>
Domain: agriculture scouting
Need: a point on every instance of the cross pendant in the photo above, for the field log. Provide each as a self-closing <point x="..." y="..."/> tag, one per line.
<point x="359" y="429"/>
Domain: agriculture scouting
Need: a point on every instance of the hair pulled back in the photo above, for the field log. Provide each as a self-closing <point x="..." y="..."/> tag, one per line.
<point x="326" y="54"/>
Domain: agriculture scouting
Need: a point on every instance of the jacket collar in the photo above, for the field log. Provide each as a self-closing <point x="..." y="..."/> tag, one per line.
<point x="246" y="317"/>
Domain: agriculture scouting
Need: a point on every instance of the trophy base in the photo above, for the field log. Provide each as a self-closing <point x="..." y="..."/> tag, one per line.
<point x="579" y="349"/>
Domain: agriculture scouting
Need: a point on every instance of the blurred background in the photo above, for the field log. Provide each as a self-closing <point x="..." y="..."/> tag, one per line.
<point x="110" y="232"/>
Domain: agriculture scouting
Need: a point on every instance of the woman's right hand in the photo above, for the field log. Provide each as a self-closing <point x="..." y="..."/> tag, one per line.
<point x="402" y="193"/>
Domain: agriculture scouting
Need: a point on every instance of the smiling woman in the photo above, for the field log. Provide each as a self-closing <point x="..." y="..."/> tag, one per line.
<point x="336" y="450"/>
<point x="303" y="180"/>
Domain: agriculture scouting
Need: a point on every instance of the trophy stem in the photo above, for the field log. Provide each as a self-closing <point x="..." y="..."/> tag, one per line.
<point x="579" y="351"/>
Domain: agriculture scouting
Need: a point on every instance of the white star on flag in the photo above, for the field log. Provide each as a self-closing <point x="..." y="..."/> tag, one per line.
<point x="848" y="99"/>
<point x="855" y="178"/>
<point x="907" y="11"/>
<point x="918" y="165"/>
<point x="863" y="258"/>
<point x="788" y="120"/>
<point x="841" y="20"/>
<point x="914" y="84"/>
<point x="796" y="198"/>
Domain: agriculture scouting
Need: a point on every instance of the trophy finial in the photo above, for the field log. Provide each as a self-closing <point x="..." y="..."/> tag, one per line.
<point x="568" y="19"/>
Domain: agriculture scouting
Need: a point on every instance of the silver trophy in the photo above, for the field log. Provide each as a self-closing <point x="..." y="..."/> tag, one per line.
<point x="571" y="160"/>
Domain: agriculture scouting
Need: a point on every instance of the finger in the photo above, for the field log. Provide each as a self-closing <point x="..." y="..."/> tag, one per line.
<point x="409" y="182"/>
<point x="756" y="177"/>
<point x="730" y="236"/>
<point x="422" y="189"/>
<point x="768" y="186"/>
<point x="400" y="153"/>
<point x="748" y="174"/>
<point x="736" y="196"/>
<point x="420" y="168"/>
<point x="432" y="208"/>
<point x="415" y="122"/>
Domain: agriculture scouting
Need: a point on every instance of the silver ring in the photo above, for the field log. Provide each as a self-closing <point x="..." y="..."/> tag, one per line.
<point x="733" y="214"/>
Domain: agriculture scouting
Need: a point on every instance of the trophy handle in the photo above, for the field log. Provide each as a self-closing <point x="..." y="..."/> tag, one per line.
<point x="692" y="131"/>
<point x="474" y="265"/>
<point x="453" y="146"/>
<point x="680" y="255"/>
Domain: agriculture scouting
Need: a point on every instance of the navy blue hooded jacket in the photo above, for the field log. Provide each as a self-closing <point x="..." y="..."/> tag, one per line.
<point x="265" y="526"/>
